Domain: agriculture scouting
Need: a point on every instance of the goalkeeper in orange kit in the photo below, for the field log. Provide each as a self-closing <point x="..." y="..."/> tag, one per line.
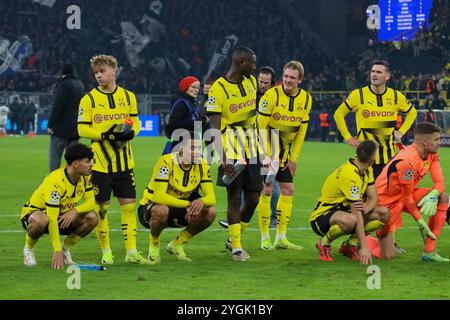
<point x="397" y="190"/>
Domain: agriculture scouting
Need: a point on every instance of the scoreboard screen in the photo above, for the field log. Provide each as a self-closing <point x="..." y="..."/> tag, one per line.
<point x="402" y="18"/>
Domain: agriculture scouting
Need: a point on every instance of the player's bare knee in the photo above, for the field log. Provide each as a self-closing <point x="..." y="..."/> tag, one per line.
<point x="234" y="193"/>
<point x="160" y="213"/>
<point x="234" y="200"/>
<point x="443" y="198"/>
<point x="384" y="213"/>
<point x="252" y="199"/>
<point x="38" y="218"/>
<point x="348" y="224"/>
<point x="387" y="246"/>
<point x="388" y="254"/>
<point x="211" y="214"/>
<point x="35" y="230"/>
<point x="91" y="219"/>
<point x="37" y="223"/>
<point x="287" y="189"/>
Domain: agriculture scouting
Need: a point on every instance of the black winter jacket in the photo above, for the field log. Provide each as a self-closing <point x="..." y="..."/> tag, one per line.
<point x="64" y="114"/>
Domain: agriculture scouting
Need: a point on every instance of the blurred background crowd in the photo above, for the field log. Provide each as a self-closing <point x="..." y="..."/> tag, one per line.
<point x="159" y="42"/>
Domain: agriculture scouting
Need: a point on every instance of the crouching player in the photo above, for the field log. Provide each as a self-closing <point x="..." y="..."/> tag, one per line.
<point x="172" y="198"/>
<point x="54" y="209"/>
<point x="342" y="208"/>
<point x="397" y="187"/>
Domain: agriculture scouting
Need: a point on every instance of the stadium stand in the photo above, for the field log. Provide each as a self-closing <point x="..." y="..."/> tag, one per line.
<point x="154" y="54"/>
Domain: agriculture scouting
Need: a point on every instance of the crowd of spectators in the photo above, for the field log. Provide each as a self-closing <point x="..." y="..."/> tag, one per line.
<point x="192" y="29"/>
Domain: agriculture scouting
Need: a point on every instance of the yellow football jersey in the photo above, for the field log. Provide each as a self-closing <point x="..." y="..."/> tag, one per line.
<point x="287" y="114"/>
<point x="236" y="103"/>
<point x="172" y="183"/>
<point x="346" y="184"/>
<point x="376" y="115"/>
<point x="99" y="112"/>
<point x="56" y="195"/>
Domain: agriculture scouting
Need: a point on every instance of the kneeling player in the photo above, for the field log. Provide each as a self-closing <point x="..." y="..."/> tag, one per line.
<point x="398" y="190"/>
<point x="53" y="207"/>
<point x="172" y="199"/>
<point x="341" y="208"/>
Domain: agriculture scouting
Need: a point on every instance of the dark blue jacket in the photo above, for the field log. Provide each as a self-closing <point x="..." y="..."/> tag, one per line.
<point x="64" y="115"/>
<point x="182" y="114"/>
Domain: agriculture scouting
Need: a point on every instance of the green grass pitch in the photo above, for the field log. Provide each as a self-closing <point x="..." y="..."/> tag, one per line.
<point x="286" y="275"/>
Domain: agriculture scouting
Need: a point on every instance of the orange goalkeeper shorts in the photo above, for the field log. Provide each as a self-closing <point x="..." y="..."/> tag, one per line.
<point x="395" y="222"/>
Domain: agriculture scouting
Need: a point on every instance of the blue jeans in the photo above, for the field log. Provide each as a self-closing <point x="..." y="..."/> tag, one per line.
<point x="57" y="147"/>
<point x="274" y="200"/>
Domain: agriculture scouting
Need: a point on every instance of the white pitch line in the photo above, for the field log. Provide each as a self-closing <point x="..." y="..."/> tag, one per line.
<point x="116" y="211"/>
<point x="168" y="229"/>
<point x="207" y="230"/>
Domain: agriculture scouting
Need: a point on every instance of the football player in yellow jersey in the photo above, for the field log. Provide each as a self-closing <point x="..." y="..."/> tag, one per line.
<point x="53" y="208"/>
<point x="231" y="107"/>
<point x="172" y="198"/>
<point x="283" y="117"/>
<point x="266" y="80"/>
<point x="102" y="113"/>
<point x="342" y="207"/>
<point x="376" y="107"/>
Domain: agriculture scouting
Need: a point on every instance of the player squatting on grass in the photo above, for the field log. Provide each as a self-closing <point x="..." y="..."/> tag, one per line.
<point x="212" y="132"/>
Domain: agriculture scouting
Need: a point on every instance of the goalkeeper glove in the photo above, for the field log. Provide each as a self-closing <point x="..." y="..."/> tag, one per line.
<point x="428" y="203"/>
<point x="117" y="136"/>
<point x="425" y="230"/>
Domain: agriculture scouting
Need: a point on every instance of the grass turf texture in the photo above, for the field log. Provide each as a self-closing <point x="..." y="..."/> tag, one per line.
<point x="211" y="275"/>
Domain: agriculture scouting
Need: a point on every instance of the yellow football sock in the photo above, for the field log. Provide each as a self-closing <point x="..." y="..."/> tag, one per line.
<point x="71" y="240"/>
<point x="182" y="237"/>
<point x="284" y="211"/>
<point x="102" y="229"/>
<point x="353" y="240"/>
<point x="128" y="225"/>
<point x="30" y="242"/>
<point x="369" y="227"/>
<point x="154" y="240"/>
<point x="264" y="216"/>
<point x="373" y="225"/>
<point x="333" y="233"/>
<point x="234" y="231"/>
<point x="244" y="226"/>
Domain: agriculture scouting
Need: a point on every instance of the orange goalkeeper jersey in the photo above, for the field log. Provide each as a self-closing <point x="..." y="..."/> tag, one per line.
<point x="407" y="168"/>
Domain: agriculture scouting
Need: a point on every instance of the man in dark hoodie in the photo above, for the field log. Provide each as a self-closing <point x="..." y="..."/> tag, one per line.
<point x="62" y="125"/>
